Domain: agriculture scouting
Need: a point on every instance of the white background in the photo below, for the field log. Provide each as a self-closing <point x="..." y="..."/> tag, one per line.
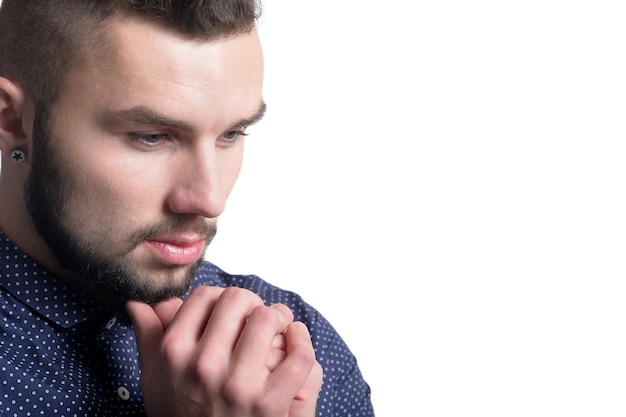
<point x="445" y="182"/>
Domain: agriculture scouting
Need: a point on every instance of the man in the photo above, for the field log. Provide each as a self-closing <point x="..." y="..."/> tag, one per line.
<point x="121" y="131"/>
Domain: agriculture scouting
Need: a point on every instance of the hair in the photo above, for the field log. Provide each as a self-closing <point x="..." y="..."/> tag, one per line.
<point x="41" y="40"/>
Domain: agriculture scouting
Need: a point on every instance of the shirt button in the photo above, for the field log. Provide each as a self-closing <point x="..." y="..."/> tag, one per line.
<point x="123" y="393"/>
<point x="111" y="323"/>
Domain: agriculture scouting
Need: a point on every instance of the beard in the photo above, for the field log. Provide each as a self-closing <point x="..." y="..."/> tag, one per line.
<point x="50" y="188"/>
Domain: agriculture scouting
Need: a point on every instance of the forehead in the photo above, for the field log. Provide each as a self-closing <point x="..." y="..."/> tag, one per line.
<point x="141" y="63"/>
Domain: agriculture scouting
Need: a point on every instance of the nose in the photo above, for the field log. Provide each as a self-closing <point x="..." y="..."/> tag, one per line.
<point x="198" y="188"/>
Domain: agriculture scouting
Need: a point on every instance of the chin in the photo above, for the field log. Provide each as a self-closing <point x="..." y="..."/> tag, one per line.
<point x="174" y="282"/>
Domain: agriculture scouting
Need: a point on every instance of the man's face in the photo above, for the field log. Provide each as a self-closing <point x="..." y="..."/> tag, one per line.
<point x="134" y="163"/>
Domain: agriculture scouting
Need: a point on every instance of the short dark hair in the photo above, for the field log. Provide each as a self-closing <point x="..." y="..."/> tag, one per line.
<point x="41" y="40"/>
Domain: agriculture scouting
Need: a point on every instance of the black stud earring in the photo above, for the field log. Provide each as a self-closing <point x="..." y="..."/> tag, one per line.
<point x="17" y="156"/>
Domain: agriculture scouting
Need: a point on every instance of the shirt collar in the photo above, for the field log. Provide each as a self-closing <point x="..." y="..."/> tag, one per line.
<point x="34" y="286"/>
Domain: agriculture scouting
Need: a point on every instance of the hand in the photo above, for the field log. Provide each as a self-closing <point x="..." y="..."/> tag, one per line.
<point x="224" y="353"/>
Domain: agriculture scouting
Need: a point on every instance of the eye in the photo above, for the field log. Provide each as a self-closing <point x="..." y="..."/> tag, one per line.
<point x="232" y="136"/>
<point x="149" y="140"/>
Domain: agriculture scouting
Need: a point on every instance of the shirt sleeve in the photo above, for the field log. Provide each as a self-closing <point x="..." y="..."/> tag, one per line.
<point x="345" y="393"/>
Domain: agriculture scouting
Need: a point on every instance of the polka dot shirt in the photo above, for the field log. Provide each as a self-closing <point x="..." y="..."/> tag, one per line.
<point x="63" y="354"/>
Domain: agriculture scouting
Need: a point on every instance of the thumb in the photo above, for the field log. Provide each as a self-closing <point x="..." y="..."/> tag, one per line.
<point x="148" y="332"/>
<point x="166" y="311"/>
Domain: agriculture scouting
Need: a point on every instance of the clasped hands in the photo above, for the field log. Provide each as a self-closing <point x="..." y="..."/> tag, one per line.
<point x="224" y="353"/>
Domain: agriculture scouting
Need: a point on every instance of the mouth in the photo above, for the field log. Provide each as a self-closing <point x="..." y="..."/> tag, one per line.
<point x="177" y="250"/>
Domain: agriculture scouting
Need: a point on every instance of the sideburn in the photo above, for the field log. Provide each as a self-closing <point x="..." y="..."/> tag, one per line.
<point x="45" y="192"/>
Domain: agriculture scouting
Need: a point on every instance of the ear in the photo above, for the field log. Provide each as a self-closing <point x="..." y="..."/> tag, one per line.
<point x="12" y="101"/>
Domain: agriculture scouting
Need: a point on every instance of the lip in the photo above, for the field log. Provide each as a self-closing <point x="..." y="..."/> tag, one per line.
<point x="177" y="251"/>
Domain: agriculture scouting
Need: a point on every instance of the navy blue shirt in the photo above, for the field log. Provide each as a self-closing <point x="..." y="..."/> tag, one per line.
<point x="63" y="354"/>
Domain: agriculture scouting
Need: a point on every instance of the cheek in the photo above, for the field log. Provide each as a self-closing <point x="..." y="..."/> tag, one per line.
<point x="119" y="186"/>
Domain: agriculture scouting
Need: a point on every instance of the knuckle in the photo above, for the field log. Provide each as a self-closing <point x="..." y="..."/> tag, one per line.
<point x="284" y="310"/>
<point x="240" y="295"/>
<point x="205" y="291"/>
<point x="317" y="373"/>
<point x="171" y="351"/>
<point x="233" y="392"/>
<point x="304" y="356"/>
<point x="263" y="316"/>
<point x="270" y="319"/>
<point x="239" y="395"/>
<point x="205" y="369"/>
<point x="266" y="407"/>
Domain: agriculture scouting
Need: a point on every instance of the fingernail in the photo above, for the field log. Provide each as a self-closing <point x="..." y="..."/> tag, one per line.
<point x="286" y="310"/>
<point x="301" y="327"/>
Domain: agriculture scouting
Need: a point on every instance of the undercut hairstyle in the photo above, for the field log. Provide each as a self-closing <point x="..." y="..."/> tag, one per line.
<point x="42" y="40"/>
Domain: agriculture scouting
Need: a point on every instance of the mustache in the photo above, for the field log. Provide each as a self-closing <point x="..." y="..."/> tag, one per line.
<point x="175" y="226"/>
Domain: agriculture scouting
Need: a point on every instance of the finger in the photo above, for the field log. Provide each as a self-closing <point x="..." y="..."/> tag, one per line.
<point x="278" y="352"/>
<point x="179" y="342"/>
<point x="285" y="310"/>
<point x="189" y="322"/>
<point x="290" y="376"/>
<point x="274" y="358"/>
<point x="166" y="310"/>
<point x="304" y="405"/>
<point x="227" y="321"/>
<point x="254" y="347"/>
<point x="148" y="332"/>
<point x="279" y="342"/>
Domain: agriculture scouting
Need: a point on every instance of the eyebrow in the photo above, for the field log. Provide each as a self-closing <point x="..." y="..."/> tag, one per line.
<point x="147" y="116"/>
<point x="255" y="118"/>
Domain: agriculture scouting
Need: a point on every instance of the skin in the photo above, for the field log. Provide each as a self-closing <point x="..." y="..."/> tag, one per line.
<point x="147" y="143"/>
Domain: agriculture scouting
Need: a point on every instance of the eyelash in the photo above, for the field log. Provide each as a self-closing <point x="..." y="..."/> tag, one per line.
<point x="149" y="139"/>
<point x="152" y="140"/>
<point x="238" y="134"/>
